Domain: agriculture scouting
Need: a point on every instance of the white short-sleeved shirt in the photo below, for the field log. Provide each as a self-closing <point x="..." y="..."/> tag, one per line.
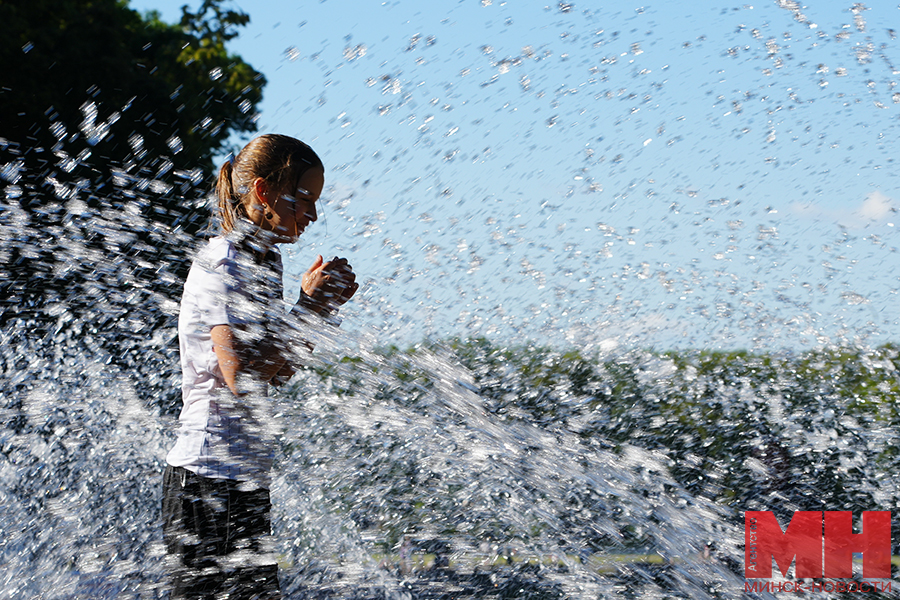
<point x="222" y="436"/>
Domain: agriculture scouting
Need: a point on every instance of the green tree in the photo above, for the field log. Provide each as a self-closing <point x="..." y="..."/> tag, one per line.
<point x="109" y="120"/>
<point x="173" y="85"/>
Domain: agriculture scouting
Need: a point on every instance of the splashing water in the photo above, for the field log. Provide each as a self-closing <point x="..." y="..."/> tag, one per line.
<point x="529" y="473"/>
<point x="457" y="468"/>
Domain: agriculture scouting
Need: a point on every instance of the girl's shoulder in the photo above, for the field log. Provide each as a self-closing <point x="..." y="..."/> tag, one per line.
<point x="216" y="250"/>
<point x="214" y="257"/>
<point x="220" y="245"/>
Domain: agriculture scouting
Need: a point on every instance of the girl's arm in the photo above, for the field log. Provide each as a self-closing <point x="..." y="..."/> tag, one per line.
<point x="284" y="374"/>
<point x="325" y="287"/>
<point x="233" y="359"/>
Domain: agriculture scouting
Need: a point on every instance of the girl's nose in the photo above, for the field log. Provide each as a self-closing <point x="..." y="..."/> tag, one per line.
<point x="311" y="212"/>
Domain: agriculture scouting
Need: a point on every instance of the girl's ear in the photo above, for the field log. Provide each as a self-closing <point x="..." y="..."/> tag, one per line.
<point x="261" y="189"/>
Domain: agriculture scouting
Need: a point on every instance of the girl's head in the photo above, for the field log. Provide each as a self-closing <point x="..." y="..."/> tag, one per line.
<point x="274" y="182"/>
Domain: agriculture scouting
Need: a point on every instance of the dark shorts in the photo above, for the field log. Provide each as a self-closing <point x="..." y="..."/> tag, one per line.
<point x="217" y="538"/>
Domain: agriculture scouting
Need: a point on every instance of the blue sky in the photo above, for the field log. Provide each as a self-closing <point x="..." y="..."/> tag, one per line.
<point x="713" y="175"/>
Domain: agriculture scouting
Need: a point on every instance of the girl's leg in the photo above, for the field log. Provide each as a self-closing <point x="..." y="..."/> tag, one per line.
<point x="217" y="539"/>
<point x="195" y="513"/>
<point x="249" y="536"/>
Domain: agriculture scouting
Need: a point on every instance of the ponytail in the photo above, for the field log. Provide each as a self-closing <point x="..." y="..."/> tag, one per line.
<point x="230" y="206"/>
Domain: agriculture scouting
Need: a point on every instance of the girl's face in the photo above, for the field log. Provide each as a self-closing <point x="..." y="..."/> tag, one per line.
<point x="292" y="211"/>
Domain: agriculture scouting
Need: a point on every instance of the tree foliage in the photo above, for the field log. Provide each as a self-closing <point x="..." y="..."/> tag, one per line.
<point x="175" y="86"/>
<point x="109" y="120"/>
<point x="765" y="431"/>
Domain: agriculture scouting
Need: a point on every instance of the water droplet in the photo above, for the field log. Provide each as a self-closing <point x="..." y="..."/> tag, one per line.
<point x="853" y="298"/>
<point x="358" y="51"/>
<point x="392" y="86"/>
<point x="160" y="187"/>
<point x="174" y="143"/>
<point x="58" y="130"/>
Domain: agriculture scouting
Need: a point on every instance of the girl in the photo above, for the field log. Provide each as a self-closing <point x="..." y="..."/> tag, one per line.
<point x="233" y="339"/>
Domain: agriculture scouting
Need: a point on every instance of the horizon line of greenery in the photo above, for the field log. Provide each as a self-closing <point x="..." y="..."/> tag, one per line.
<point x="813" y="430"/>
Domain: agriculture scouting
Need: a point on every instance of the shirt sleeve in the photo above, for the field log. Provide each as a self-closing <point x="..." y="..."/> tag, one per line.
<point x="213" y="284"/>
<point x="229" y="289"/>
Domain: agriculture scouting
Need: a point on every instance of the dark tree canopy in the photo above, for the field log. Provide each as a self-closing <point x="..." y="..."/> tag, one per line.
<point x="108" y="124"/>
<point x="167" y="82"/>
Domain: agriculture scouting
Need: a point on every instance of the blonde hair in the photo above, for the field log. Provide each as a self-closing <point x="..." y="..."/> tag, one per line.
<point x="278" y="159"/>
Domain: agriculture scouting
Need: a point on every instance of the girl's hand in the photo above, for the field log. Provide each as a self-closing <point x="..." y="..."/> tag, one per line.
<point x="328" y="285"/>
